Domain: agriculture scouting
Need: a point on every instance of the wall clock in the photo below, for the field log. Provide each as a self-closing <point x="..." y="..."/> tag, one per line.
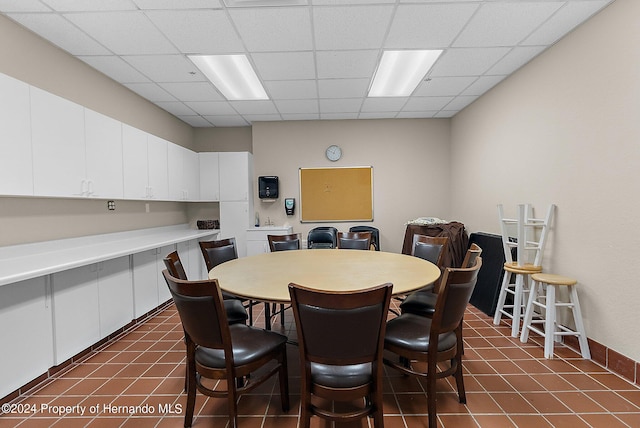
<point x="333" y="153"/>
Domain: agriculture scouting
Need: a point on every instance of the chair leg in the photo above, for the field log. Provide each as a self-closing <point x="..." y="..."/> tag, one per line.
<point x="190" y="386"/>
<point x="431" y="395"/>
<point x="502" y="297"/>
<point x="284" y="380"/>
<point x="267" y="316"/>
<point x="232" y="400"/>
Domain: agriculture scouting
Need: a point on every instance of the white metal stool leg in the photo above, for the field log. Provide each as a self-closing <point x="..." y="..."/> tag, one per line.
<point x="577" y="319"/>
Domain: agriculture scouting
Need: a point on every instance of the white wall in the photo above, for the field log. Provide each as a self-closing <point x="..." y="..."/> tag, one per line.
<point x="565" y="130"/>
<point x="410" y="159"/>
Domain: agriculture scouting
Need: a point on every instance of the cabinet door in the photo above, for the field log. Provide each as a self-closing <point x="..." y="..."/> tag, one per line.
<point x="175" y="171"/>
<point x="145" y="282"/>
<point x="163" y="290"/>
<point x="104" y="155"/>
<point x="234" y="222"/>
<point x="115" y="291"/>
<point x="26" y="336"/>
<point x="209" y="180"/>
<point x="58" y="145"/>
<point x="192" y="175"/>
<point x="76" y="314"/>
<point x="234" y="176"/>
<point x="134" y="158"/>
<point x="158" y="177"/>
<point x="16" y="175"/>
<point x="192" y="260"/>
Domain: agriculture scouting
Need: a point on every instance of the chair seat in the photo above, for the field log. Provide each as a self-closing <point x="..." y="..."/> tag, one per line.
<point x="248" y="345"/>
<point x="411" y="332"/>
<point x="420" y="303"/>
<point x="236" y="313"/>
<point x="341" y="376"/>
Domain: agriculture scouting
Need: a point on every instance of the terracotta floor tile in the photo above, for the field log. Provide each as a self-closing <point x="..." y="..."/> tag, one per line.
<point x="508" y="384"/>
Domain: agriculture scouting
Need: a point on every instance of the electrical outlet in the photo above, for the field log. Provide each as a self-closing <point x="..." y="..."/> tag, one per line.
<point x="111" y="205"/>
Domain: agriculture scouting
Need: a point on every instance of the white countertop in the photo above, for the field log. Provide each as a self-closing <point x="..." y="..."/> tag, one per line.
<point x="26" y="261"/>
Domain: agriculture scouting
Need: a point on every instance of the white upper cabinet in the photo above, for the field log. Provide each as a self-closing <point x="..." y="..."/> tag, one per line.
<point x="209" y="179"/>
<point x="104" y="156"/>
<point x="16" y="174"/>
<point x="183" y="173"/>
<point x="135" y="169"/>
<point x="235" y="181"/>
<point x="145" y="165"/>
<point x="58" y="146"/>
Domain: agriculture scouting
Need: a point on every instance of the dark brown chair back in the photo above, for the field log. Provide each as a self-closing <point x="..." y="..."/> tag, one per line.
<point x="375" y="234"/>
<point x="338" y="329"/>
<point x="216" y="252"/>
<point x="430" y="248"/>
<point x="354" y="240"/>
<point x="472" y="254"/>
<point x="174" y="265"/>
<point x="284" y="242"/>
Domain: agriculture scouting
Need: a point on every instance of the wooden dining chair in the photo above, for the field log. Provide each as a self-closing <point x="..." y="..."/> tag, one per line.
<point x="220" y="251"/>
<point x="219" y="351"/>
<point x="354" y="240"/>
<point x="340" y="339"/>
<point x="287" y="242"/>
<point x="434" y="341"/>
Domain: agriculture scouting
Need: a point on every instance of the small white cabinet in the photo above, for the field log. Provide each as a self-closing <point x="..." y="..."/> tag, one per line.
<point x="149" y="287"/>
<point x="103" y="142"/>
<point x="27" y="343"/>
<point x="145" y="165"/>
<point x="183" y="173"/>
<point x="257" y="242"/>
<point x="115" y="294"/>
<point x="16" y="174"/>
<point x="58" y="140"/>
<point x="236" y="197"/>
<point x="209" y="176"/>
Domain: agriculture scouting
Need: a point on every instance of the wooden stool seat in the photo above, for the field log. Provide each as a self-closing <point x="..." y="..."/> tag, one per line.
<point x="526" y="269"/>
<point x="552" y="279"/>
<point x="546" y="300"/>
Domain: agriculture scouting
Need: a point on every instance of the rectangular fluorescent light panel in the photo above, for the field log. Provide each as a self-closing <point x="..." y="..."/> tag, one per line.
<point x="400" y="72"/>
<point x="232" y="75"/>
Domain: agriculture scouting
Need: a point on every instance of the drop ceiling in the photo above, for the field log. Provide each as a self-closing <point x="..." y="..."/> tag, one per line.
<point x="316" y="58"/>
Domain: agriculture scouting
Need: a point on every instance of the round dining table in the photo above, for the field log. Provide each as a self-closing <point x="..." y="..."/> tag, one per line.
<point x="265" y="277"/>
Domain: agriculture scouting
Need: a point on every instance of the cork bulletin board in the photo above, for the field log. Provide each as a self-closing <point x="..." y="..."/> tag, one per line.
<point x="336" y="194"/>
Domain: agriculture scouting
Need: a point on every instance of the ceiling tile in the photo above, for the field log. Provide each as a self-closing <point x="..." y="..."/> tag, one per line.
<point x="338" y="116"/>
<point x="300" y="116"/>
<point x="505" y="23"/>
<point x="515" y="59"/>
<point x="458" y="103"/>
<point x="383" y="104"/>
<point x="297" y="106"/>
<point x="193" y="91"/>
<point x="342" y="88"/>
<point x="150" y="91"/>
<point x="417" y="114"/>
<point x="274" y="29"/>
<point x="236" y="120"/>
<point x="262" y="117"/>
<point x="285" y="65"/>
<point x="291" y="89"/>
<point x="23" y="6"/>
<point x="166" y="68"/>
<point x="443" y="86"/>
<point x="173" y="4"/>
<point x="482" y="85"/>
<point x="348" y="2"/>
<point x="467" y="61"/>
<point x="426" y="103"/>
<point x="198" y="31"/>
<point x="124" y="33"/>
<point x="346" y="64"/>
<point x="566" y="19"/>
<point x="351" y="27"/>
<point x="116" y="68"/>
<point x="212" y="108"/>
<point x="176" y="108"/>
<point x="84" y="5"/>
<point x="428" y="26"/>
<point x="196" y="121"/>
<point x="254" y="107"/>
<point x="344" y="105"/>
<point x="61" y="32"/>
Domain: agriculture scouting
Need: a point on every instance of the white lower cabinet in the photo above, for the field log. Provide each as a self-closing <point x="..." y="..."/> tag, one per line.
<point x="149" y="287"/>
<point x="27" y="343"/>
<point x="192" y="260"/>
<point x="235" y="218"/>
<point x="257" y="241"/>
<point x="115" y="294"/>
<point x="76" y="311"/>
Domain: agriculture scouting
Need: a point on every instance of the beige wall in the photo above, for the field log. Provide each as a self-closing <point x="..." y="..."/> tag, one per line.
<point x="565" y="130"/>
<point x="410" y="159"/>
<point x="233" y="139"/>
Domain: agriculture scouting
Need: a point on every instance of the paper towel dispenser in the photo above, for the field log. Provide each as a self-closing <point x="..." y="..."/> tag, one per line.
<point x="268" y="187"/>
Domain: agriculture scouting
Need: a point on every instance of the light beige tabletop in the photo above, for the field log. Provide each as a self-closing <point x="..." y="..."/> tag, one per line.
<point x="265" y="277"/>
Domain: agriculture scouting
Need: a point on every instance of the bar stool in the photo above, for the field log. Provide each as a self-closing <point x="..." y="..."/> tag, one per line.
<point x="547" y="301"/>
